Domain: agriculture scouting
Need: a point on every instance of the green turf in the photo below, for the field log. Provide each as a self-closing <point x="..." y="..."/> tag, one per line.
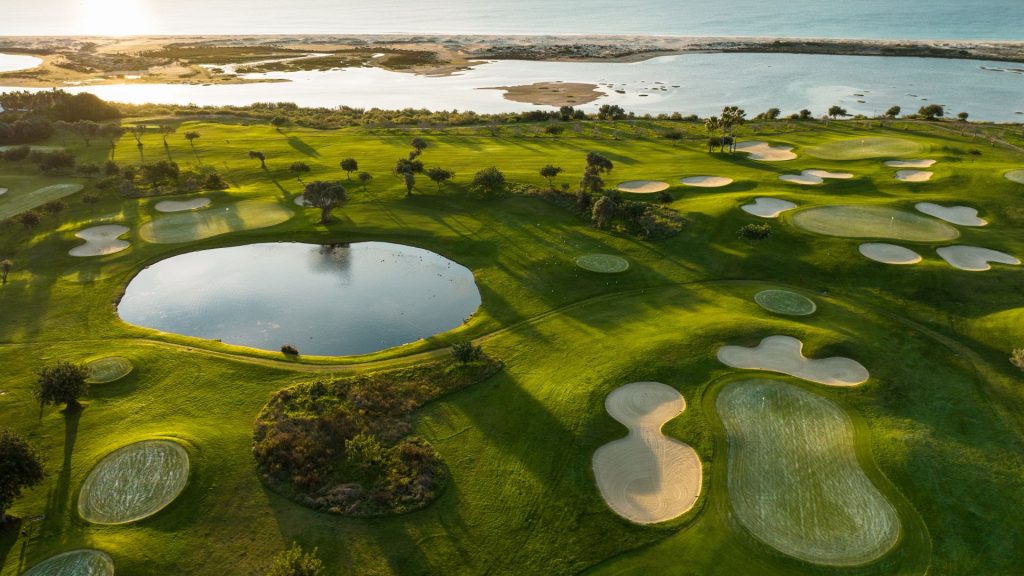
<point x="20" y="199"/>
<point x="75" y="563"/>
<point x="134" y="482"/>
<point x="190" y="226"/>
<point x="785" y="302"/>
<point x="794" y="479"/>
<point x="938" y="428"/>
<point x="603" y="263"/>
<point x="862" y="148"/>
<point x="109" y="369"/>
<point x="848" y="221"/>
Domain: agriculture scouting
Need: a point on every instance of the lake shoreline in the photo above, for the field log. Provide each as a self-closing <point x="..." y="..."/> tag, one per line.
<point x="71" y="61"/>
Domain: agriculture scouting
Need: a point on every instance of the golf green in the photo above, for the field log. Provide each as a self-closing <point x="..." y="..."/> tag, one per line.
<point x="873" y="222"/>
<point x="862" y="148"/>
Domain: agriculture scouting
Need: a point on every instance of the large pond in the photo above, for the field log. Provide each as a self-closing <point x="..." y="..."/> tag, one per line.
<point x="323" y="299"/>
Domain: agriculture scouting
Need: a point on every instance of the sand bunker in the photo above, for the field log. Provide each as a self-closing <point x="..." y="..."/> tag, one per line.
<point x="1016" y="176"/>
<point x="199" y="224"/>
<point x="647" y="477"/>
<point x="100" y="241"/>
<point x="768" y="207"/>
<point x="959" y="215"/>
<point x="603" y="263"/>
<point x="910" y="163"/>
<point x="814" y="177"/>
<point x="182" y="205"/>
<point x="848" y="221"/>
<point x="300" y="201"/>
<point x="889" y="253"/>
<point x="973" y="258"/>
<point x="766" y="153"/>
<point x="134" y="482"/>
<point x="642" y="186"/>
<point x="913" y="175"/>
<point x="861" y="148"/>
<point x="794" y="479"/>
<point x="75" y="563"/>
<point x="785" y="302"/>
<point x="706" y="181"/>
<point x="3" y="191"/>
<point x="785" y="354"/>
<point x="109" y="369"/>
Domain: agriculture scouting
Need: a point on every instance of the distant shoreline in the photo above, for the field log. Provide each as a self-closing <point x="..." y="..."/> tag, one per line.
<point x="201" y="59"/>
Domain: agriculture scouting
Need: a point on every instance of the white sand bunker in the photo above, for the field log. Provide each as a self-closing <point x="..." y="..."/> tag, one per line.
<point x="706" y="181"/>
<point x="814" y="177"/>
<point x="784" y="354"/>
<point x="1016" y="176"/>
<point x="913" y="175"/>
<point x="75" y="563"/>
<point x="642" y="186"/>
<point x="182" y="205"/>
<point x="647" y="477"/>
<point x="973" y="258"/>
<point x="3" y="190"/>
<point x="766" y="153"/>
<point x="768" y="207"/>
<point x="134" y="482"/>
<point x="889" y="253"/>
<point x="300" y="200"/>
<point x="959" y="215"/>
<point x="100" y="241"/>
<point x="910" y="163"/>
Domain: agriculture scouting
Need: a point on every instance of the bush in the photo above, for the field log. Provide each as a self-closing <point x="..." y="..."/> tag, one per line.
<point x="466" y="352"/>
<point x="756" y="231"/>
<point x="296" y="562"/>
<point x="214" y="182"/>
<point x="1017" y="358"/>
<point x="664" y="197"/>
<point x="289" y="350"/>
<point x="17" y="153"/>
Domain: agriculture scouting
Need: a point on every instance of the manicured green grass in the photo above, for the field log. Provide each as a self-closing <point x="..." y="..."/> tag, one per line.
<point x="873" y="222"/>
<point x="862" y="148"/>
<point x="785" y="302"/>
<point x="603" y="263"/>
<point x="22" y="196"/>
<point x="937" y="428"/>
<point x="191" y="226"/>
<point x="109" y="369"/>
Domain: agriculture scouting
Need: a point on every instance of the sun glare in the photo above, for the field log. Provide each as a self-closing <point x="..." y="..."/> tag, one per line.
<point x="113" y="17"/>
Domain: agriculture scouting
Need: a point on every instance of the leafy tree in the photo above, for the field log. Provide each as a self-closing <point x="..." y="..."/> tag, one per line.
<point x="62" y="383"/>
<point x="409" y="178"/>
<point x="591" y="183"/>
<point x="325" y="195"/>
<point x="419" y="145"/>
<point x="769" y="114"/>
<point x="610" y="112"/>
<point x="296" y="562"/>
<point x="137" y="132"/>
<point x="84" y="129"/>
<point x="259" y="156"/>
<point x="165" y="131"/>
<point x="439" y="176"/>
<point x="732" y="116"/>
<point x="5" y="269"/>
<point x="299" y="168"/>
<point x="349" y="165"/>
<point x="756" y="231"/>
<point x="805" y="114"/>
<point x="599" y="162"/>
<point x="554" y="129"/>
<point x="837" y="111"/>
<point x="54" y="206"/>
<point x="963" y="116"/>
<point x="57" y="161"/>
<point x="931" y="111"/>
<point x="407" y="165"/>
<point x="20" y="467"/>
<point x="279" y="121"/>
<point x="466" y="352"/>
<point x="162" y="172"/>
<point x="893" y="112"/>
<point x="1017" y="358"/>
<point x="550" y="172"/>
<point x="489" y="181"/>
<point x="191" y="137"/>
<point x="603" y="212"/>
<point x="364" y="178"/>
<point x="715" y="142"/>
<point x="29" y="219"/>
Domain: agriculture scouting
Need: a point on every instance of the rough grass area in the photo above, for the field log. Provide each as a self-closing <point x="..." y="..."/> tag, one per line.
<point x="603" y="263"/>
<point x="794" y="479"/>
<point x="109" y="369"/>
<point x="346" y="447"/>
<point x="75" y="563"/>
<point x="134" y="482"/>
<point x="190" y="226"/>
<point x="873" y="222"/>
<point x="785" y="302"/>
<point x="863" y="148"/>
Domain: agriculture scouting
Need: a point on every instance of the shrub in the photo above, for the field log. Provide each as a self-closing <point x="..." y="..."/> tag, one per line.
<point x="289" y="350"/>
<point x="756" y="231"/>
<point x="296" y="562"/>
<point x="1017" y="358"/>
<point x="664" y="197"/>
<point x="214" y="182"/>
<point x="17" y="153"/>
<point x="466" y="352"/>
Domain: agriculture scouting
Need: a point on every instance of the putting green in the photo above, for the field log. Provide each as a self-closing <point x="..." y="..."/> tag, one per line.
<point x="12" y="204"/>
<point x="873" y="222"/>
<point x="134" y="482"/>
<point x="1016" y="176"/>
<point x="793" y="476"/>
<point x="109" y="369"/>
<point x="861" y="148"/>
<point x="603" y="263"/>
<point x="75" y="563"/>
<point x="785" y="302"/>
<point x="190" y="226"/>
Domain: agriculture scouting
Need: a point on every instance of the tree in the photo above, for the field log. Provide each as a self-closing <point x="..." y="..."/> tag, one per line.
<point x="610" y="112"/>
<point x="278" y="121"/>
<point x="137" y="132"/>
<point x="732" y="116"/>
<point x="29" y="219"/>
<point x="214" y="181"/>
<point x="466" y="352"/>
<point x="1017" y="358"/>
<point x="769" y="114"/>
<point x="299" y="168"/>
<point x="349" y="165"/>
<point x="408" y="165"/>
<point x="191" y="137"/>
<point x="602" y="212"/>
<point x="439" y="176"/>
<point x="963" y="116"/>
<point x="296" y="562"/>
<point x="162" y="172"/>
<point x="489" y="181"/>
<point x="62" y="383"/>
<point x="805" y="114"/>
<point x="599" y="162"/>
<point x="325" y="195"/>
<point x="54" y="207"/>
<point x="165" y="131"/>
<point x="550" y="172"/>
<point x="409" y="178"/>
<point x="712" y="125"/>
<point x="364" y="179"/>
<point x="419" y="145"/>
<point x="931" y="111"/>
<point x="591" y="183"/>
<point x="5" y="269"/>
<point x="554" y="129"/>
<point x="893" y="112"/>
<point x="20" y="467"/>
<point x="837" y="111"/>
<point x="85" y="129"/>
<point x="259" y="156"/>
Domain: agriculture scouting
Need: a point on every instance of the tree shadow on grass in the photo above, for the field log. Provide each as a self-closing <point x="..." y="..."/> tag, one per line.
<point x="299" y="145"/>
<point x="60" y="496"/>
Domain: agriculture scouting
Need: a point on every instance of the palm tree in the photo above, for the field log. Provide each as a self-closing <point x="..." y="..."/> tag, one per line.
<point x="165" y="131"/>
